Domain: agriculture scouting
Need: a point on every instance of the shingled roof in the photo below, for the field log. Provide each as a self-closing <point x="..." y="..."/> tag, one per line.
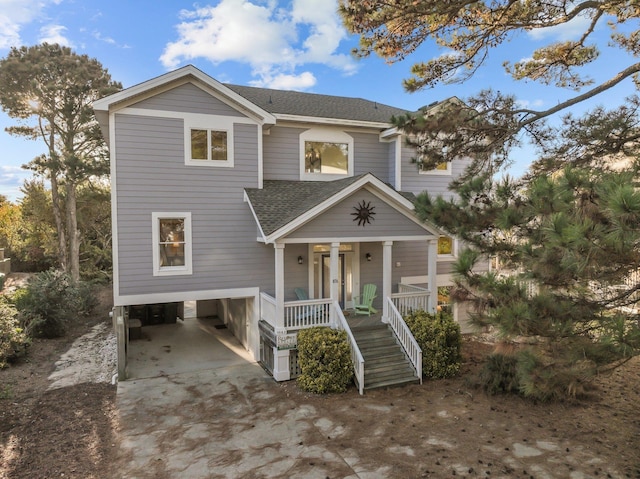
<point x="317" y="106"/>
<point x="279" y="201"/>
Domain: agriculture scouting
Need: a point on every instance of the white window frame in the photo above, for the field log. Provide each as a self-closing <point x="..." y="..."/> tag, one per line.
<point x="210" y="124"/>
<point x="326" y="135"/>
<point x="158" y="270"/>
<point x="454" y="248"/>
<point x="436" y="172"/>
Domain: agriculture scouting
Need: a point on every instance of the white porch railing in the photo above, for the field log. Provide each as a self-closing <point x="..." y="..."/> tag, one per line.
<point x="297" y="314"/>
<point x="406" y="339"/>
<point x="268" y="309"/>
<point x="356" y="355"/>
<point x="307" y="314"/>
<point x="410" y="298"/>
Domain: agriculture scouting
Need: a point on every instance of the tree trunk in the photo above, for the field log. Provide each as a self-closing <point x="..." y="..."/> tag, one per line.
<point x="72" y="230"/>
<point x="63" y="253"/>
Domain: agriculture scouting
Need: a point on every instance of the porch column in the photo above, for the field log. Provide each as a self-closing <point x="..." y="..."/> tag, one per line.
<point x="432" y="268"/>
<point x="387" y="269"/>
<point x="281" y="370"/>
<point x="333" y="274"/>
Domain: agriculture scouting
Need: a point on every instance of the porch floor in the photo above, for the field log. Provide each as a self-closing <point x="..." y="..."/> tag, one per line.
<point x="362" y="320"/>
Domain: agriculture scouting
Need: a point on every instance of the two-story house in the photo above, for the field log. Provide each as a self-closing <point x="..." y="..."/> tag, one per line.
<point x="239" y="197"/>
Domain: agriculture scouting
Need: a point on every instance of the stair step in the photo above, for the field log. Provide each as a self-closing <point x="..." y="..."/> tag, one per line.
<point x="390" y="383"/>
<point x="395" y="364"/>
<point x="380" y="373"/>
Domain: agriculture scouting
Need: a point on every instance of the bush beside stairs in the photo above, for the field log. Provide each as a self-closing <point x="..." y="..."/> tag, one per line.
<point x="385" y="362"/>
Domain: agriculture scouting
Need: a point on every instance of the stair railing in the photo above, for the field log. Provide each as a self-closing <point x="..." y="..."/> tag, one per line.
<point x="405" y="338"/>
<point x="356" y="356"/>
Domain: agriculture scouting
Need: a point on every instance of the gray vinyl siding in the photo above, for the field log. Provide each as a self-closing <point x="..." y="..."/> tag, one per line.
<point x="281" y="156"/>
<point x="370" y="155"/>
<point x="416" y="183"/>
<point x="391" y="162"/>
<point x="188" y="98"/>
<point x="295" y="275"/>
<point x="371" y="271"/>
<point x="151" y="177"/>
<point x="338" y="221"/>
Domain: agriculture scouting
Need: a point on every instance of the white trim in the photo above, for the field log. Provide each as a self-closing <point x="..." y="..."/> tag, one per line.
<point x="187" y="269"/>
<point x="390" y="132"/>
<point x="260" y="160"/>
<point x="214" y="123"/>
<point x="329" y="121"/>
<point x="398" y="163"/>
<point x="355" y="239"/>
<point x="150" y="87"/>
<point x="391" y="196"/>
<point x="177" y="296"/>
<point x="255" y="217"/>
<point x="114" y="206"/>
<point x="182" y="115"/>
<point x="327" y="135"/>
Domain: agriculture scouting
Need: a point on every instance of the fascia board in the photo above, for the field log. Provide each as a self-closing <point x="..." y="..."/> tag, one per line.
<point x="255" y="217"/>
<point x="316" y="210"/>
<point x="329" y="121"/>
<point x="140" y="89"/>
<point x="384" y="192"/>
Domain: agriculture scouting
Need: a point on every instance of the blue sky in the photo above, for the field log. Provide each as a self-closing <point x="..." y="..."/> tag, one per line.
<point x="293" y="44"/>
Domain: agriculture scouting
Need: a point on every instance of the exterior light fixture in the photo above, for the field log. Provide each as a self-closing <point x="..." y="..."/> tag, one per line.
<point x="368" y="256"/>
<point x="300" y="259"/>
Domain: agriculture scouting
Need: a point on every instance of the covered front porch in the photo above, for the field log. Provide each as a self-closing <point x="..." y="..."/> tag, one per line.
<point x="330" y="239"/>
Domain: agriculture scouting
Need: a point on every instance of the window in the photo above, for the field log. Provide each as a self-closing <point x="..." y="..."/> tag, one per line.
<point x="208" y="145"/>
<point x="171" y="244"/>
<point x="443" y="168"/>
<point x="445" y="245"/>
<point x="209" y="142"/>
<point x="326" y="154"/>
<point x="324" y="157"/>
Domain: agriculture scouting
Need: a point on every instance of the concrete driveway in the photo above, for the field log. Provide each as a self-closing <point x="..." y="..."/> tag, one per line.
<point x="198" y="407"/>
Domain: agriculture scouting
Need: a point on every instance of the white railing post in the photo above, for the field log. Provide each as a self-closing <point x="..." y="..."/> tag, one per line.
<point x="386" y="277"/>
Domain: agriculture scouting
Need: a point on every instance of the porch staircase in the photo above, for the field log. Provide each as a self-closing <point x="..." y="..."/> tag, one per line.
<point x="385" y="363"/>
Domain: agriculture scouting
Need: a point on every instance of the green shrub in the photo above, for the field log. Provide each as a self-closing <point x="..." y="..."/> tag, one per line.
<point x="324" y="356"/>
<point x="50" y="301"/>
<point x="500" y="374"/>
<point x="13" y="340"/>
<point x="439" y="337"/>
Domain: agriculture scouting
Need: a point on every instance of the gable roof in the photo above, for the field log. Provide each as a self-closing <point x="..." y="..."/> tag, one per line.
<point x="295" y="103"/>
<point x="281" y="206"/>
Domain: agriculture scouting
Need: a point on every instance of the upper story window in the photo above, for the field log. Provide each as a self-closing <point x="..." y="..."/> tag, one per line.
<point x="446" y="246"/>
<point x="325" y="154"/>
<point x="172" y="244"/>
<point x="443" y="168"/>
<point x="324" y="157"/>
<point x="209" y="142"/>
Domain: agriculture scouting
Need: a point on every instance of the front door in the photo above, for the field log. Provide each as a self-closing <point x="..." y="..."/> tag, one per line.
<point x="326" y="278"/>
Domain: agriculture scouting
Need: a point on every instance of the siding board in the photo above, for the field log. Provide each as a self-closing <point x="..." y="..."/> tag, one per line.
<point x="151" y="176"/>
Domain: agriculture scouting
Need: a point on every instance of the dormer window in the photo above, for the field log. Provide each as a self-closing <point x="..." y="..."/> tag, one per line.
<point x="325" y="154"/>
<point x="326" y="158"/>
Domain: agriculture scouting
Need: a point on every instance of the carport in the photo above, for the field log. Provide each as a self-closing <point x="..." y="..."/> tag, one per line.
<point x="194" y="344"/>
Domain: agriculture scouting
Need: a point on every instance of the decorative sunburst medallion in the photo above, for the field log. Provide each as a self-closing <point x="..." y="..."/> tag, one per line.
<point x="364" y="213"/>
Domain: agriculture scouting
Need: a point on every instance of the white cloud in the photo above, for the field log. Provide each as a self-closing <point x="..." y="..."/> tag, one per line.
<point x="11" y="180"/>
<point x="281" y="81"/>
<point x="14" y="14"/>
<point x="571" y="30"/>
<point x="530" y="104"/>
<point x="54" y="34"/>
<point x="274" y="41"/>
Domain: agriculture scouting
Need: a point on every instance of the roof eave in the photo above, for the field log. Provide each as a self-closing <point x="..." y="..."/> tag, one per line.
<point x="330" y="121"/>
